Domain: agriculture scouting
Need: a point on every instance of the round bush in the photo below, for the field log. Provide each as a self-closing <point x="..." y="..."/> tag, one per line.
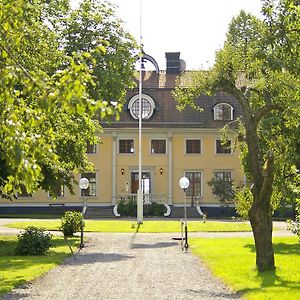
<point x="33" y="241"/>
<point x="71" y="222"/>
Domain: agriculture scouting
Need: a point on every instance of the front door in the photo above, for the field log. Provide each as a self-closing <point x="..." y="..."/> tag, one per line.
<point x="146" y="182"/>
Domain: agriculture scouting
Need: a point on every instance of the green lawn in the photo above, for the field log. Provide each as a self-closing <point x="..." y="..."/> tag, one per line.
<point x="32" y="216"/>
<point x="16" y="270"/>
<point x="233" y="260"/>
<point x="147" y="226"/>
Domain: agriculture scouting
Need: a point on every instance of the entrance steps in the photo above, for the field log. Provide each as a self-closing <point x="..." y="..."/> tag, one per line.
<point x="178" y="212"/>
<point x="107" y="212"/>
<point x="99" y="212"/>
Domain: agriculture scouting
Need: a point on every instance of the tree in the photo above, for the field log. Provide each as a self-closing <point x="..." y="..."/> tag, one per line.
<point x="47" y="104"/>
<point x="223" y="188"/>
<point x="253" y="68"/>
<point x="94" y="25"/>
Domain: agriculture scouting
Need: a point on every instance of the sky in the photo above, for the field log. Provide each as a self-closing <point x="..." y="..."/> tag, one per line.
<point x="195" y="28"/>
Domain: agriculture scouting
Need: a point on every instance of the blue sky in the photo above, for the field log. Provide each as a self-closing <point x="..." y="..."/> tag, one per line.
<point x="195" y="28"/>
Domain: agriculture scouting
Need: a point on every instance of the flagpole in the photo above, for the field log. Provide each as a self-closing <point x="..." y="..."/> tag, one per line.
<point x="140" y="190"/>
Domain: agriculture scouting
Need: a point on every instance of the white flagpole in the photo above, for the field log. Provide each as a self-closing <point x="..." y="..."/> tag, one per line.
<point x="140" y="190"/>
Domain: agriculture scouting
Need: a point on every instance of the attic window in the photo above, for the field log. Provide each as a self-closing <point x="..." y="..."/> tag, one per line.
<point x="223" y="111"/>
<point x="148" y="106"/>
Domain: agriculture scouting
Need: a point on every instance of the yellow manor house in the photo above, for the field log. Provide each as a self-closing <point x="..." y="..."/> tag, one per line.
<point x="174" y="144"/>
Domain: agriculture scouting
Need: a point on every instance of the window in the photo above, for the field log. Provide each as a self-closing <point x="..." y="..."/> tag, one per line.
<point x="222" y="185"/>
<point x="91" y="148"/>
<point x="158" y="146"/>
<point x="148" y="106"/>
<point x="223" y="111"/>
<point x="59" y="192"/>
<point x="194" y="188"/>
<point x="223" y="175"/>
<point x="193" y="147"/>
<point x="223" y="147"/>
<point x="92" y="189"/>
<point x="126" y="146"/>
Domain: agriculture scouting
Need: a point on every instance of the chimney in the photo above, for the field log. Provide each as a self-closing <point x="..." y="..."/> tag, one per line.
<point x="173" y="62"/>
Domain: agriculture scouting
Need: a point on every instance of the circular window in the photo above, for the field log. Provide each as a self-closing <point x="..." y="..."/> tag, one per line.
<point x="148" y="106"/>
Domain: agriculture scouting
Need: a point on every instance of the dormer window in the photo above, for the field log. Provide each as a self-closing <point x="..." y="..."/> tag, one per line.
<point x="148" y="106"/>
<point x="223" y="111"/>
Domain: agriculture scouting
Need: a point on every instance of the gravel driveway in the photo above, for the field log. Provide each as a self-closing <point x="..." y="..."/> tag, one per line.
<point x="127" y="266"/>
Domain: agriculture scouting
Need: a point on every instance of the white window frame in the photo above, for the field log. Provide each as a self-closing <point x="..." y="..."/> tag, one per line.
<point x="217" y="153"/>
<point x="223" y="171"/>
<point x="193" y="139"/>
<point x="96" y="186"/>
<point x="95" y="149"/>
<point x="158" y="139"/>
<point x="126" y="153"/>
<point x="136" y="98"/>
<point x="201" y="182"/>
<point x="217" y="118"/>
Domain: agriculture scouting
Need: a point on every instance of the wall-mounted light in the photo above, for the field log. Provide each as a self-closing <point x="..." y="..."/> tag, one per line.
<point x="122" y="171"/>
<point x="161" y="170"/>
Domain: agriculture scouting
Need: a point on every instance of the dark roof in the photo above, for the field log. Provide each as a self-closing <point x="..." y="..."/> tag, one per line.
<point x="159" y="87"/>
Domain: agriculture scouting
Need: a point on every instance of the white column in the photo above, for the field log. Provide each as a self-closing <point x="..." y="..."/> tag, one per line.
<point x="114" y="161"/>
<point x="170" y="171"/>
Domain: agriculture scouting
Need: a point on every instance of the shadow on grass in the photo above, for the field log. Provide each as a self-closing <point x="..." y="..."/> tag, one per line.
<point x="271" y="279"/>
<point x="7" y="246"/>
<point x="280" y="248"/>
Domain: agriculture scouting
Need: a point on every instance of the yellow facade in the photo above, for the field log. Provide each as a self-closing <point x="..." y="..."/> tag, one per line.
<point x="165" y="169"/>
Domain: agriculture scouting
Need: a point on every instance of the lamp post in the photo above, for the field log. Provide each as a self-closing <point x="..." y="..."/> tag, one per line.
<point x="83" y="184"/>
<point x="184" y="184"/>
<point x="140" y="201"/>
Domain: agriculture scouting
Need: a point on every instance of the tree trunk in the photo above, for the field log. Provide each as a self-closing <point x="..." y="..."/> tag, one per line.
<point x="261" y="223"/>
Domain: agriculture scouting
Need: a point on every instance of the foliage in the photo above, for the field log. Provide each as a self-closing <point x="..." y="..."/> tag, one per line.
<point x="253" y="68"/>
<point x="240" y="274"/>
<point x="154" y="209"/>
<point x="294" y="227"/>
<point x="128" y="208"/>
<point x="94" y="25"/>
<point x="71" y="222"/>
<point x="33" y="241"/>
<point x="47" y="100"/>
<point x="223" y="188"/>
<point x="243" y="201"/>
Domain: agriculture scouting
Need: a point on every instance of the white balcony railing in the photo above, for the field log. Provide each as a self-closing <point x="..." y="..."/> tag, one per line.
<point x="147" y="198"/>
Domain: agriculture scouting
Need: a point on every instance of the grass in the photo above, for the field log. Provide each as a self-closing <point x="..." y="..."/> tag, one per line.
<point x="147" y="226"/>
<point x="31" y="216"/>
<point x="233" y="260"/>
<point x="16" y="270"/>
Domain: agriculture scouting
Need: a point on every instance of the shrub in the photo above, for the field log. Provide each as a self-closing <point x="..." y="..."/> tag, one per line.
<point x="128" y="207"/>
<point x="222" y="188"/>
<point x="33" y="241"/>
<point x="156" y="209"/>
<point x="71" y="222"/>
